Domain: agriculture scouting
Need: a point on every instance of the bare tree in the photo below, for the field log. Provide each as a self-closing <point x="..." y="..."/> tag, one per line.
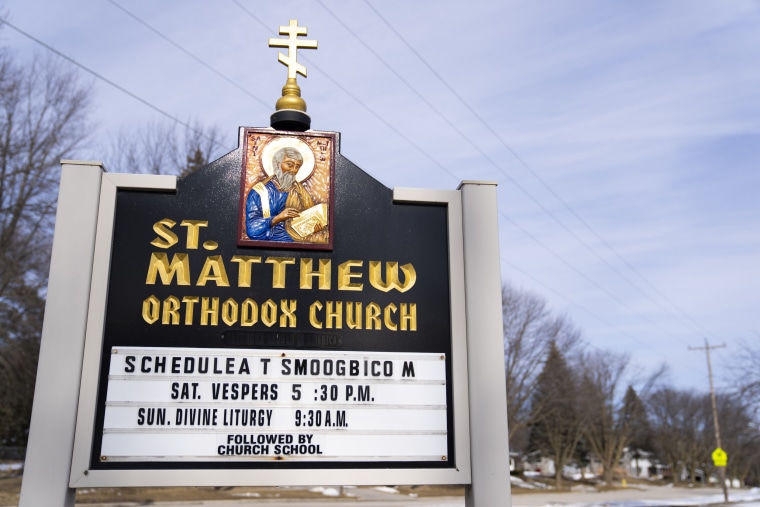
<point x="43" y="119"/>
<point x="684" y="435"/>
<point x="664" y="406"/>
<point x="744" y="373"/>
<point x="682" y="426"/>
<point x="740" y="437"/>
<point x="164" y="148"/>
<point x="609" y="418"/>
<point x="529" y="329"/>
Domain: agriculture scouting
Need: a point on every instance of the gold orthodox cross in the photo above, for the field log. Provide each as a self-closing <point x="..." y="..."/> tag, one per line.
<point x="293" y="43"/>
<point x="290" y="109"/>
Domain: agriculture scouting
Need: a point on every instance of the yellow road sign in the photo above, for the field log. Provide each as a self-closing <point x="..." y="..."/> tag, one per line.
<point x="720" y="458"/>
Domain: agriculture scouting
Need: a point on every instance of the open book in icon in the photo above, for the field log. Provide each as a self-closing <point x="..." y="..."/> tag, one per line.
<point x="305" y="223"/>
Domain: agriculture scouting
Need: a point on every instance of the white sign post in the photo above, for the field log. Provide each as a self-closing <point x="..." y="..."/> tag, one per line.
<point x="489" y="442"/>
<point x="51" y="433"/>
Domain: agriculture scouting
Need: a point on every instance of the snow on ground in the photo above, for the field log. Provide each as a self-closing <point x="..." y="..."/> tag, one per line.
<point x="326" y="491"/>
<point x="650" y="497"/>
<point x="386" y="489"/>
<point x="519" y="483"/>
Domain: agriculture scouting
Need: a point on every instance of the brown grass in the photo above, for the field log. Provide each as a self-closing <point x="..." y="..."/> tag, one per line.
<point x="10" y="487"/>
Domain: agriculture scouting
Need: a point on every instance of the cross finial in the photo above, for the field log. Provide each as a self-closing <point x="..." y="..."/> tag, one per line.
<point x="293" y="44"/>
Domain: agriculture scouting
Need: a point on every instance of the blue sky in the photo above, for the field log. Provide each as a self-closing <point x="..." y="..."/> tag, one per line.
<point x="625" y="135"/>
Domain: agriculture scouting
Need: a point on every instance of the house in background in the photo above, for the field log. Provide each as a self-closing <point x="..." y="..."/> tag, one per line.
<point x="642" y="465"/>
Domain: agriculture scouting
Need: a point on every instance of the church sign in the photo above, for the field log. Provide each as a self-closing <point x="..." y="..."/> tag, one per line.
<point x="232" y="340"/>
<point x="277" y="317"/>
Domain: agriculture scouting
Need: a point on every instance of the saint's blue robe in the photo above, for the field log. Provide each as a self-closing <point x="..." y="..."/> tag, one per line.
<point x="257" y="226"/>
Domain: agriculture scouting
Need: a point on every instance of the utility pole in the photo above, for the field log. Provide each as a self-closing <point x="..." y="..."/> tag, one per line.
<point x="707" y="348"/>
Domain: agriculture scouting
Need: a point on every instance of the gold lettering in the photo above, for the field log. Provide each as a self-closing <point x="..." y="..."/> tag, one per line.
<point x="244" y="268"/>
<point x="170" y="313"/>
<point x="345" y="275"/>
<point x="192" y="232"/>
<point x="391" y="308"/>
<point x="150" y="309"/>
<point x="315" y="306"/>
<point x="190" y="302"/>
<point x="354" y="317"/>
<point x="288" y="317"/>
<point x="214" y="264"/>
<point x="250" y="313"/>
<point x="372" y="316"/>
<point x="278" y="270"/>
<point x="209" y="312"/>
<point x="269" y="313"/>
<point x="159" y="265"/>
<point x="322" y="314"/>
<point x="408" y="317"/>
<point x="229" y="312"/>
<point x="162" y="229"/>
<point x="323" y="275"/>
<point x="391" y="276"/>
<point x="334" y="313"/>
<point x="410" y="277"/>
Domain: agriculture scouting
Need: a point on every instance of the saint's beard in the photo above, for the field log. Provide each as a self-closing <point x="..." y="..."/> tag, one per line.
<point x="285" y="180"/>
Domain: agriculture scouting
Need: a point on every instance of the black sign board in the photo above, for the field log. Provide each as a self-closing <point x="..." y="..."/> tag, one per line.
<point x="236" y="339"/>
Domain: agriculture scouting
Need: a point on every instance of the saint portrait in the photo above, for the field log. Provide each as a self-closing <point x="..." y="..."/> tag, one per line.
<point x="286" y="190"/>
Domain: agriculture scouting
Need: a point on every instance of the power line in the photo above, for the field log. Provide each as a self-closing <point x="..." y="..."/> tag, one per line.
<point x="266" y="27"/>
<point x="423" y="152"/>
<point x="450" y="123"/>
<point x="573" y="303"/>
<point x="188" y="53"/>
<point x="490" y="160"/>
<point x="106" y="80"/>
<point x="587" y="278"/>
<point x="358" y="100"/>
<point x="439" y="165"/>
<point x="97" y="75"/>
<point x="589" y="312"/>
<point x="498" y="137"/>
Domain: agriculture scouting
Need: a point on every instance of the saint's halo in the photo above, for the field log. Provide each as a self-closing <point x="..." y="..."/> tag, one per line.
<point x="288" y="142"/>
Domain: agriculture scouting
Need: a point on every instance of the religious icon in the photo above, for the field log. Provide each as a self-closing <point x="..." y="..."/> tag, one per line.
<point x="287" y="190"/>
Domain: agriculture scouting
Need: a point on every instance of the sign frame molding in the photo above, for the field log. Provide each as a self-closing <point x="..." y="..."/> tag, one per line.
<point x="80" y="474"/>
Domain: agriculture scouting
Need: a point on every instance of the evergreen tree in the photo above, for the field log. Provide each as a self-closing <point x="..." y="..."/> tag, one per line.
<point x="164" y="148"/>
<point x="634" y="412"/>
<point x="194" y="162"/>
<point x="555" y="424"/>
<point x="529" y="328"/>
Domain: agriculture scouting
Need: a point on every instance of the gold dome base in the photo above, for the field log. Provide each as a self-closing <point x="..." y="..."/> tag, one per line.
<point x="291" y="97"/>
